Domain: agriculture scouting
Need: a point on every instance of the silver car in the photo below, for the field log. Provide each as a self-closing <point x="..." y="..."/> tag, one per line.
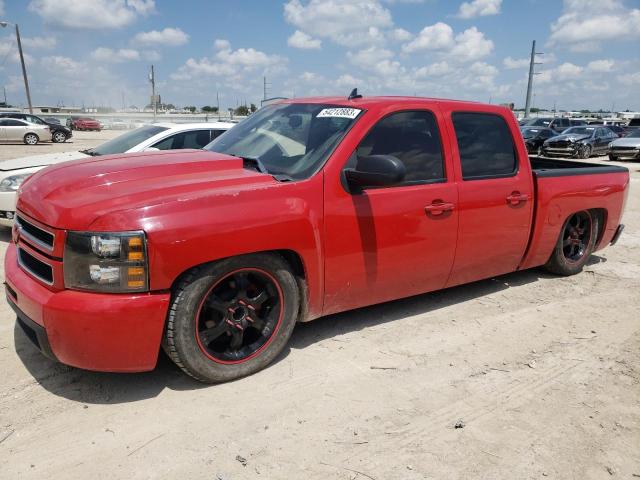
<point x="626" y="148"/>
<point x="14" y="130"/>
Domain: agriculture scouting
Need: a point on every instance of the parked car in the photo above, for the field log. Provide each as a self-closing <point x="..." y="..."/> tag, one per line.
<point x="84" y="123"/>
<point x="534" y="137"/>
<point x="619" y="131"/>
<point x="626" y="148"/>
<point x="59" y="133"/>
<point x="116" y="124"/>
<point x="557" y="124"/>
<point x="581" y="142"/>
<point x="307" y="208"/>
<point x="51" y="120"/>
<point x="160" y="136"/>
<point x="14" y="130"/>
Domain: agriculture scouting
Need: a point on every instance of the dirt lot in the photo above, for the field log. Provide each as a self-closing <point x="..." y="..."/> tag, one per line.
<point x="543" y="372"/>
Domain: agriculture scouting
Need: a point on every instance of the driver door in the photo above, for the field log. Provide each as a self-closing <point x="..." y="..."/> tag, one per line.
<point x="387" y="243"/>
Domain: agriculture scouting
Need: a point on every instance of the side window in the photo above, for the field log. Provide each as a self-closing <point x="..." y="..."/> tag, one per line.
<point x="413" y="138"/>
<point x="194" y="139"/>
<point x="216" y="133"/>
<point x="14" y="123"/>
<point x="33" y="119"/>
<point x="485" y="145"/>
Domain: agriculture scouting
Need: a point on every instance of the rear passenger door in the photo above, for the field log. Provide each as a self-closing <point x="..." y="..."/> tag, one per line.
<point x="495" y="190"/>
<point x="14" y="129"/>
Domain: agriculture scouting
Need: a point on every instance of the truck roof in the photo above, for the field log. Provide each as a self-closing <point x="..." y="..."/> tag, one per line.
<point x="382" y="101"/>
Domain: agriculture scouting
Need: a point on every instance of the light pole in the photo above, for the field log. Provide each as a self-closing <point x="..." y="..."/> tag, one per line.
<point x="24" y="69"/>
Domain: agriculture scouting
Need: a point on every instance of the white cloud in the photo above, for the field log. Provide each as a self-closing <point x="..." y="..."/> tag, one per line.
<point x="437" y="69"/>
<point x="93" y="14"/>
<point x="601" y="65"/>
<point x="231" y="65"/>
<point x="468" y="45"/>
<point x="221" y="44"/>
<point x="9" y="50"/>
<point x="109" y="55"/>
<point x="567" y="71"/>
<point x="590" y="22"/>
<point x="346" y="22"/>
<point x="58" y="63"/>
<point x="514" y="63"/>
<point x="170" y="37"/>
<point x="303" y="41"/>
<point x="346" y="80"/>
<point x="479" y="8"/>
<point x="400" y="35"/>
<point x="39" y="43"/>
<point x="630" y="79"/>
<point x="143" y="7"/>
<point x="433" y="37"/>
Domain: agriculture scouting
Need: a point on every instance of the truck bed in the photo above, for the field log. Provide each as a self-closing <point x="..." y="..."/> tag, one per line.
<point x="548" y="167"/>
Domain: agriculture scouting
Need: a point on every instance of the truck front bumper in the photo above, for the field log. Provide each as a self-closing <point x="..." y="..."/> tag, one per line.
<point x="93" y="331"/>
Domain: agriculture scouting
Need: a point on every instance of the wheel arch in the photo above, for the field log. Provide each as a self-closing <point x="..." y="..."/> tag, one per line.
<point x="291" y="257"/>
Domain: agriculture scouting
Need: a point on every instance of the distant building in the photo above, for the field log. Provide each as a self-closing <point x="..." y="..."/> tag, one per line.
<point x="53" y="109"/>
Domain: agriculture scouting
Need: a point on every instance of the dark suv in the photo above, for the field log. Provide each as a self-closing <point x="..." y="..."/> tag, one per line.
<point x="557" y="124"/>
<point x="59" y="133"/>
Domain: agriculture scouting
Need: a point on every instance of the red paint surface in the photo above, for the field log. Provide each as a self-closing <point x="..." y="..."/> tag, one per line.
<point x="357" y="250"/>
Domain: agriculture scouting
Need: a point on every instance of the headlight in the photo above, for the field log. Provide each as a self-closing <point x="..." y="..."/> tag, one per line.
<point x="106" y="262"/>
<point x="12" y="183"/>
<point x="610" y="144"/>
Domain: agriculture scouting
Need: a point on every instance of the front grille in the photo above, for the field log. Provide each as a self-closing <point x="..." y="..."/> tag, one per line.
<point x="37" y="235"/>
<point x="40" y="270"/>
<point x="623" y="149"/>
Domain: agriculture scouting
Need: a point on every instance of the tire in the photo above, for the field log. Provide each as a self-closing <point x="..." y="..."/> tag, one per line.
<point x="31" y="139"/>
<point x="613" y="158"/>
<point x="58" y="137"/>
<point x="215" y="305"/>
<point x="584" y="151"/>
<point x="569" y="256"/>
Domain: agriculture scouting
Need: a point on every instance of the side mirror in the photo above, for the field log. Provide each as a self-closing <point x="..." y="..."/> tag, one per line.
<point x="375" y="171"/>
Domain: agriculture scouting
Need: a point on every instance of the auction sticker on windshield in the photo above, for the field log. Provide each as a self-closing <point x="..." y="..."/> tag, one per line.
<point x="338" y="113"/>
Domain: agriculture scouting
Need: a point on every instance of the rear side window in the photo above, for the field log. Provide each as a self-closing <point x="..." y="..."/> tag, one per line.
<point x="485" y="145"/>
<point x="194" y="139"/>
<point x="413" y="138"/>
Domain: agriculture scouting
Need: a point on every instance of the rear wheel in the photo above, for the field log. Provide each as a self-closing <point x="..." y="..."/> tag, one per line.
<point x="575" y="244"/>
<point x="31" y="139"/>
<point x="613" y="158"/>
<point x="232" y="318"/>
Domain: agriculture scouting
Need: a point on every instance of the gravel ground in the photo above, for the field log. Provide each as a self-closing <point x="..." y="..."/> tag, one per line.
<point x="542" y="373"/>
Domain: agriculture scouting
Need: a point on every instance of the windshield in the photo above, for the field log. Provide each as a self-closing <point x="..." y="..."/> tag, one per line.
<point x="579" y="131"/>
<point x="634" y="134"/>
<point x="124" y="142"/>
<point x="288" y="139"/>
<point x="538" y="122"/>
<point x="530" y="132"/>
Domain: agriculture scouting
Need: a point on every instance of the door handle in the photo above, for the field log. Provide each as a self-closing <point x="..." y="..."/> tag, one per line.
<point x="438" y="208"/>
<point x="516" y="197"/>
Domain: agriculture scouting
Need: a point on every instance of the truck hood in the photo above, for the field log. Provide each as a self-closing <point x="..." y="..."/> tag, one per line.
<point x="39" y="160"/>
<point x="572" y="137"/>
<point x="626" y="142"/>
<point x="73" y="195"/>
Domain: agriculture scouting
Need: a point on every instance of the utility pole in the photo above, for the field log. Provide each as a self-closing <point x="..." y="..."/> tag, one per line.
<point x="265" y="89"/>
<point x="4" y="89"/>
<point x="152" y="79"/>
<point x="218" y="104"/>
<point x="532" y="64"/>
<point x="24" y="69"/>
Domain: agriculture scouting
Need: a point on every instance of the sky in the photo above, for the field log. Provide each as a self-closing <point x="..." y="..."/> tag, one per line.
<point x="98" y="52"/>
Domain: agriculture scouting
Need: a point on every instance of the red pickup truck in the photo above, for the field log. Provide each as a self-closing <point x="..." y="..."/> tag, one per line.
<point x="309" y="207"/>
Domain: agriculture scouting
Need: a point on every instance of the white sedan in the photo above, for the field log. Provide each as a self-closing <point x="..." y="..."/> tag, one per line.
<point x="15" y="130"/>
<point x="157" y="136"/>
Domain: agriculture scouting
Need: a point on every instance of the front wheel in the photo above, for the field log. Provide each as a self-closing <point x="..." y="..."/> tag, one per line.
<point x="232" y="318"/>
<point x="31" y="139"/>
<point x="613" y="158"/>
<point x="575" y="244"/>
<point x="59" y="137"/>
<point x="584" y="151"/>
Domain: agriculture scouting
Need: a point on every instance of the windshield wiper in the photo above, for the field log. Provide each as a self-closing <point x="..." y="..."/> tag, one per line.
<point x="90" y="151"/>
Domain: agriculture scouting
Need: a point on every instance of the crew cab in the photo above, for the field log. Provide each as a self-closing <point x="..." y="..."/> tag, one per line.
<point x="307" y="208"/>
